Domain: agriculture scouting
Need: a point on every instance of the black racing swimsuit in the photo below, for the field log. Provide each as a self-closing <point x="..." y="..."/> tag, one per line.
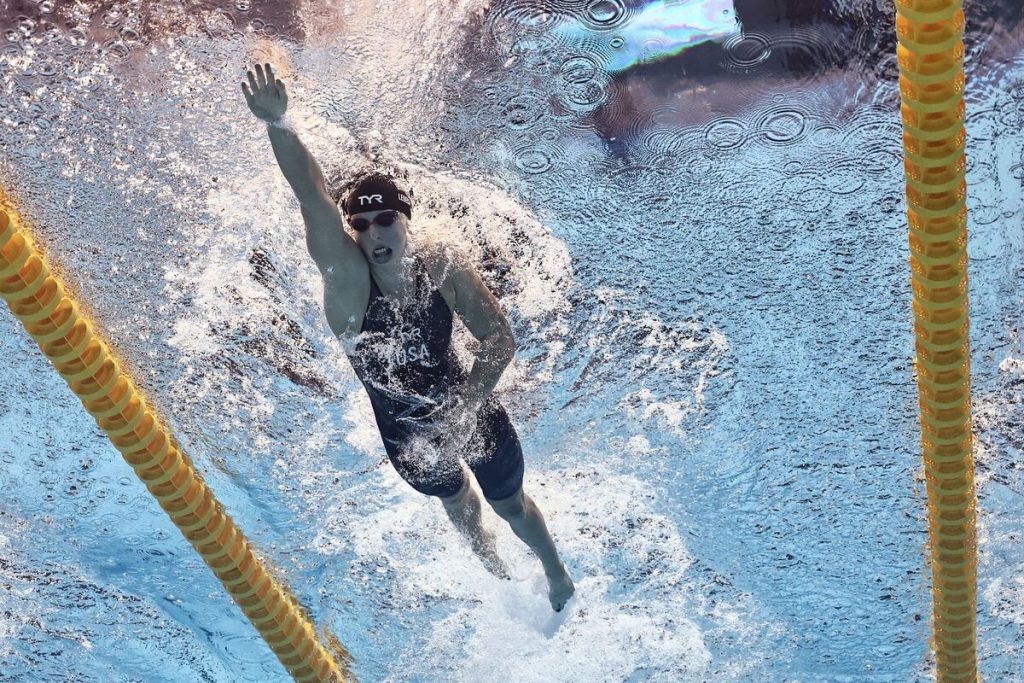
<point x="405" y="361"/>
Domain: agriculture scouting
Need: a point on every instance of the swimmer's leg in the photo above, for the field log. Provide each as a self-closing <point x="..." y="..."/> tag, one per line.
<point x="463" y="509"/>
<point x="526" y="520"/>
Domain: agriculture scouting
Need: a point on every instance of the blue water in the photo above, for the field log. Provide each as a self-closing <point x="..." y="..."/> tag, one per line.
<point x="703" y="255"/>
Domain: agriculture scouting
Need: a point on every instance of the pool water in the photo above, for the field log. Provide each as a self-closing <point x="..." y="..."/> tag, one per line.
<point x="699" y="238"/>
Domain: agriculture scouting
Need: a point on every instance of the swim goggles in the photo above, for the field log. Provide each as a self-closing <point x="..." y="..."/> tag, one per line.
<point x="384" y="219"/>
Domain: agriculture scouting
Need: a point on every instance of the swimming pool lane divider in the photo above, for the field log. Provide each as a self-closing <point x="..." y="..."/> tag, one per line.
<point x="86" y="363"/>
<point x="931" y="60"/>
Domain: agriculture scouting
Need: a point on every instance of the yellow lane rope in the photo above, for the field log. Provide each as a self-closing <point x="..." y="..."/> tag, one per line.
<point x="66" y="338"/>
<point x="931" y="59"/>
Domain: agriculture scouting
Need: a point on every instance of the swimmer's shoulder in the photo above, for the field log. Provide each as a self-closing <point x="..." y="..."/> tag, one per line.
<point x="441" y="261"/>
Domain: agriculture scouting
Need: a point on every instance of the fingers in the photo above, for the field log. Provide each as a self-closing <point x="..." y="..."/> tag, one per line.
<point x="263" y="80"/>
<point x="248" y="95"/>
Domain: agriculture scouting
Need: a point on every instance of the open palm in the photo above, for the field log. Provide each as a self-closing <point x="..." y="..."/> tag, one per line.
<point x="265" y="94"/>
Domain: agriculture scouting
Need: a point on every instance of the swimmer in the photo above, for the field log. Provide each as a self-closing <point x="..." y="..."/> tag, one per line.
<point x="391" y="307"/>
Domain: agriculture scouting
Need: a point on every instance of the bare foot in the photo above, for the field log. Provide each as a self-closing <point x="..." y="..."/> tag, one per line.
<point x="495" y="565"/>
<point x="560" y="589"/>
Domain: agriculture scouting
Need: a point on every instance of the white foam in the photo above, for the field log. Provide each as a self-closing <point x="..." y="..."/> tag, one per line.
<point x="629" y="562"/>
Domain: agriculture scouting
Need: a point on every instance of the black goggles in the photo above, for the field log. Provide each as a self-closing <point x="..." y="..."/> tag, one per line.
<point x="383" y="219"/>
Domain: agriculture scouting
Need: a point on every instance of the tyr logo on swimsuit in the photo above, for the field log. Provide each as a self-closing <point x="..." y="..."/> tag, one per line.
<point x="370" y="199"/>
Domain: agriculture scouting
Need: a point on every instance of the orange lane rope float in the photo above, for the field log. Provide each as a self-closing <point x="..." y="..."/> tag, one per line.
<point x="67" y="339"/>
<point x="931" y="59"/>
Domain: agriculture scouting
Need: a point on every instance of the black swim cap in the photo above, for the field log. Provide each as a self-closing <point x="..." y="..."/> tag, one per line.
<point x="376" y="192"/>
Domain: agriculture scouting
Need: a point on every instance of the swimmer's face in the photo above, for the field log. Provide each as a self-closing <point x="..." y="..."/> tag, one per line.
<point x="381" y="243"/>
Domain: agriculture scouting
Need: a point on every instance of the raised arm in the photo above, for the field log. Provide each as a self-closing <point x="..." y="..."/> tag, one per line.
<point x="345" y="271"/>
<point x="327" y="241"/>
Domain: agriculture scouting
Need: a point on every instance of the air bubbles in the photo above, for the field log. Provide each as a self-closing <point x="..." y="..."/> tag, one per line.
<point x="744" y="52"/>
<point x="243" y="5"/>
<point x="617" y="42"/>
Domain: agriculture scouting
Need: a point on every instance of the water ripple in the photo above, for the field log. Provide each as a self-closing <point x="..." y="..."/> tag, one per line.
<point x="745" y="52"/>
<point x="725" y="133"/>
<point x="783" y="125"/>
<point x="605" y="15"/>
<point x="523" y="111"/>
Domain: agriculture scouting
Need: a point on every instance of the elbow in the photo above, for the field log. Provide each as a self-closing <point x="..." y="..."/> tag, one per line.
<point x="505" y="348"/>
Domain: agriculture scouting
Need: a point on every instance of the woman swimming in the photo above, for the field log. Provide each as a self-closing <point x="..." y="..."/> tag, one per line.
<point x="391" y="306"/>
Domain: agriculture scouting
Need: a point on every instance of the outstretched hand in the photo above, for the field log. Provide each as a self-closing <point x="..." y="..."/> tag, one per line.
<point x="265" y="94"/>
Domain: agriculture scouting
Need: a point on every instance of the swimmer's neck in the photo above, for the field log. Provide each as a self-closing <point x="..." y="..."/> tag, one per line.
<point x="394" y="278"/>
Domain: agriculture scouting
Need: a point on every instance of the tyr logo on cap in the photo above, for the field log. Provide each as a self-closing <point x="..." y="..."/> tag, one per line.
<point x="370" y="199"/>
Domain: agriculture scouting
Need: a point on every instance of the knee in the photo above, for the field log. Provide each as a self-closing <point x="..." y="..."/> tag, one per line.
<point x="510" y="509"/>
<point x="457" y="500"/>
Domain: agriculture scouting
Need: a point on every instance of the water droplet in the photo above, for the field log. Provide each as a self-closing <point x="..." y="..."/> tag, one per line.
<point x="584" y="97"/>
<point x="522" y="111"/>
<point x="130" y="36"/>
<point x="746" y="51"/>
<point x="725" y="133"/>
<point x="578" y="69"/>
<point x="533" y="160"/>
<point x="112" y="18"/>
<point x="604" y="12"/>
<point x="783" y="125"/>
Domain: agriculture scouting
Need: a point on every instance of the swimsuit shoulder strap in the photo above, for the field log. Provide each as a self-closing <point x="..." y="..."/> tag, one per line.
<point x="374" y="289"/>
